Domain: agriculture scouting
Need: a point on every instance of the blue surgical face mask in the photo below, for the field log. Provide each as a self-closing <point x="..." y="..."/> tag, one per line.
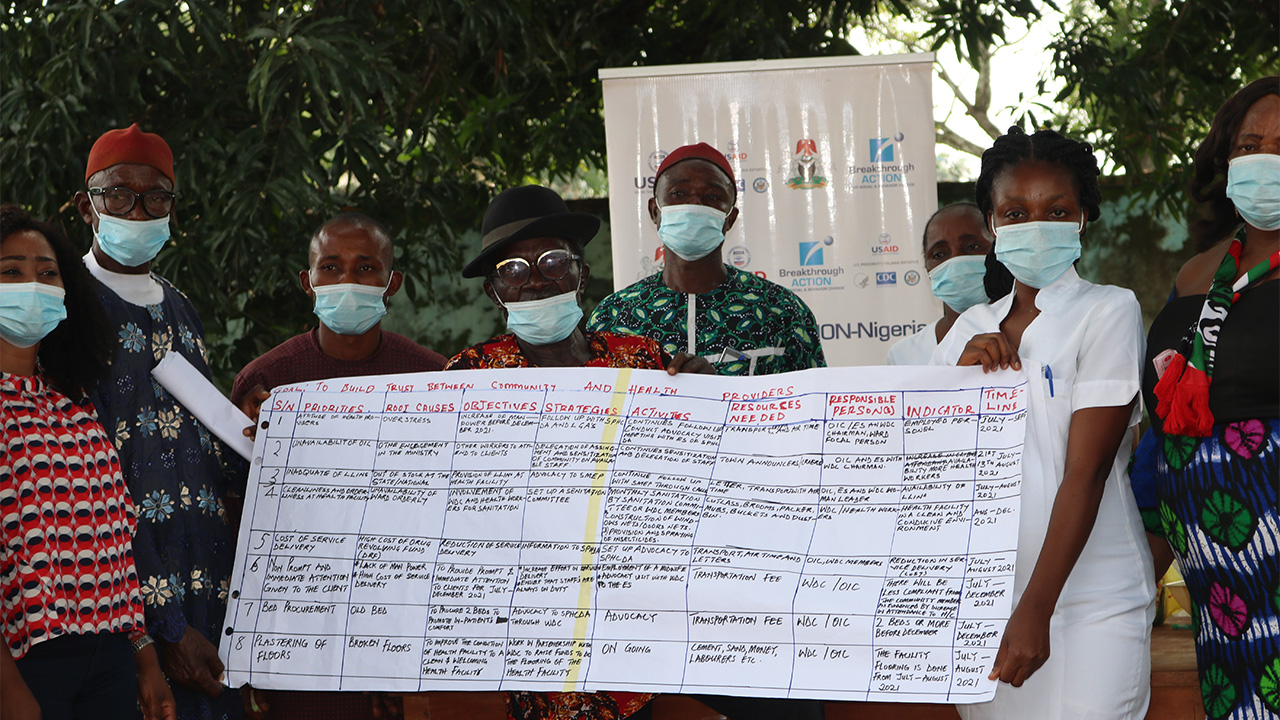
<point x="545" y="321"/>
<point x="691" y="231"/>
<point x="958" y="281"/>
<point x="1037" y="253"/>
<point x="130" y="242"/>
<point x="1253" y="186"/>
<point x="29" y="311"/>
<point x="350" y="308"/>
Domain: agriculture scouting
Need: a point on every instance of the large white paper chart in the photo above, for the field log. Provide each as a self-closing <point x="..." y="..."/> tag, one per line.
<point x="841" y="533"/>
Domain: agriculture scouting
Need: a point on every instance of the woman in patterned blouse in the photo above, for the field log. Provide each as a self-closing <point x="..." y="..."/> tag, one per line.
<point x="69" y="597"/>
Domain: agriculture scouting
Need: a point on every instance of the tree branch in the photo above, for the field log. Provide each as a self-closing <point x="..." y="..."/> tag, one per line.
<point x="979" y="108"/>
<point x="946" y="136"/>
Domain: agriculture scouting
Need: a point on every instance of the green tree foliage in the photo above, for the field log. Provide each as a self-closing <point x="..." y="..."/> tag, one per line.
<point x="282" y="113"/>
<point x="1145" y="77"/>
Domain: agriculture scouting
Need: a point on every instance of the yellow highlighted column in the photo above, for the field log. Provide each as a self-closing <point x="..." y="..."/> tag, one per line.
<point x="586" y="575"/>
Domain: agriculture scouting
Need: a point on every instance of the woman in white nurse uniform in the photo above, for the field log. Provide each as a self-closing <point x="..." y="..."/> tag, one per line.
<point x="1077" y="644"/>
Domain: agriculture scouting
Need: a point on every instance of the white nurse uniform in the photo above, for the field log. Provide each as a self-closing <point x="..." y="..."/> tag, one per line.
<point x="1083" y="350"/>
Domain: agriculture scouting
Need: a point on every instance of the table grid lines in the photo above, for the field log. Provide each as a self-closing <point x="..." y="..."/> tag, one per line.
<point x="740" y="490"/>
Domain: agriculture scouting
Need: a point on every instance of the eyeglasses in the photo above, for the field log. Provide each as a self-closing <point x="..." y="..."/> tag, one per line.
<point x="553" y="264"/>
<point x="120" y="200"/>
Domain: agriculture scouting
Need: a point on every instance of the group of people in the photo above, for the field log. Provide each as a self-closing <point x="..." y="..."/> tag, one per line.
<point x="117" y="503"/>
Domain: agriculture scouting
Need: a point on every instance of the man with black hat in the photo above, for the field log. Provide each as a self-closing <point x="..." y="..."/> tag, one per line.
<point x="743" y="324"/>
<point x="531" y="259"/>
<point x="177" y="472"/>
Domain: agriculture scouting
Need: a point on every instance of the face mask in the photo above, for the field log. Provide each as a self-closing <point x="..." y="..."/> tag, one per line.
<point x="1037" y="253"/>
<point x="691" y="231"/>
<point x="131" y="242"/>
<point x="958" y="282"/>
<point x="1253" y="186"/>
<point x="350" y="308"/>
<point x="29" y="311"/>
<point x="545" y="321"/>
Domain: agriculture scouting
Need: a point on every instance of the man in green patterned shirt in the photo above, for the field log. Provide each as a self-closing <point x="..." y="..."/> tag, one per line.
<point x="743" y="324"/>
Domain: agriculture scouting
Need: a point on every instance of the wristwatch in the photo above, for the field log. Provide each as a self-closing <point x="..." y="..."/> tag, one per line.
<point x="141" y="641"/>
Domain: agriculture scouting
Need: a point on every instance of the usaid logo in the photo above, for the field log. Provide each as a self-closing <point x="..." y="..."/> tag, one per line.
<point x="656" y="158"/>
<point x="882" y="149"/>
<point x="885" y="245"/>
<point x="886" y="278"/>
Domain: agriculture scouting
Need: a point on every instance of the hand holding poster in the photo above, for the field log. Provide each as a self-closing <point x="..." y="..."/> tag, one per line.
<point x="832" y="533"/>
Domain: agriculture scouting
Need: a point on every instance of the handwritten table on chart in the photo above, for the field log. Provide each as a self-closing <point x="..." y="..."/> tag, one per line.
<point x="840" y="533"/>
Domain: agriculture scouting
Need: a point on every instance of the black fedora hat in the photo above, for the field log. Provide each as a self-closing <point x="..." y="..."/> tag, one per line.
<point x="526" y="212"/>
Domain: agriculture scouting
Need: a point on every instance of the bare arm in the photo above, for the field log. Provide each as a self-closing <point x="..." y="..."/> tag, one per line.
<point x="155" y="699"/>
<point x="1161" y="554"/>
<point x="16" y="700"/>
<point x="1092" y="443"/>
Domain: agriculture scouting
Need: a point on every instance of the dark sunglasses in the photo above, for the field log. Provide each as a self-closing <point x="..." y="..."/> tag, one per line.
<point x="553" y="264"/>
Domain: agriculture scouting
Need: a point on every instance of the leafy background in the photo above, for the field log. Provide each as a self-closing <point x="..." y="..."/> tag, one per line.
<point x="283" y="113"/>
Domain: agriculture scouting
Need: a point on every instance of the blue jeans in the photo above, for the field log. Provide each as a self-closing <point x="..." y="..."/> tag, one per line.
<point x="76" y="677"/>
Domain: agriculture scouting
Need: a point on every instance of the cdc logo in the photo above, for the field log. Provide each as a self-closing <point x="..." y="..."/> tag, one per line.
<point x="886" y="278"/>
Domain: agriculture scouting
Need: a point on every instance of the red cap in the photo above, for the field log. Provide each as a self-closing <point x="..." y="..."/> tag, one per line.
<point x="130" y="145"/>
<point x="701" y="151"/>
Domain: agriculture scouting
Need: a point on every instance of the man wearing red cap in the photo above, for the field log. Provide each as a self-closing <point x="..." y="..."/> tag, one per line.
<point x="177" y="472"/>
<point x="743" y="324"/>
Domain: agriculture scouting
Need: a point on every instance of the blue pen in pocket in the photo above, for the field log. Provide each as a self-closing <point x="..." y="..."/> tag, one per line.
<point x="1048" y="375"/>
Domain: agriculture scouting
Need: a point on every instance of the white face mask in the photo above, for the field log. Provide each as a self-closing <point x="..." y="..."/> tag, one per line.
<point x="1253" y="186"/>
<point x="350" y="308"/>
<point x="29" y="311"/>
<point x="545" y="321"/>
<point x="1037" y="253"/>
<point x="958" y="281"/>
<point x="130" y="242"/>
<point x="691" y="231"/>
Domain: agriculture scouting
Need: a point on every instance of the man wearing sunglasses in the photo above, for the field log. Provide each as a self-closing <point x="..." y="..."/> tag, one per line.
<point x="176" y="471"/>
<point x="531" y="260"/>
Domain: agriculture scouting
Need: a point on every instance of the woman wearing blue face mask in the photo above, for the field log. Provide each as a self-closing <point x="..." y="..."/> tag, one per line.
<point x="1212" y="382"/>
<point x="956" y="243"/>
<point x="1077" y="642"/>
<point x="70" y="603"/>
